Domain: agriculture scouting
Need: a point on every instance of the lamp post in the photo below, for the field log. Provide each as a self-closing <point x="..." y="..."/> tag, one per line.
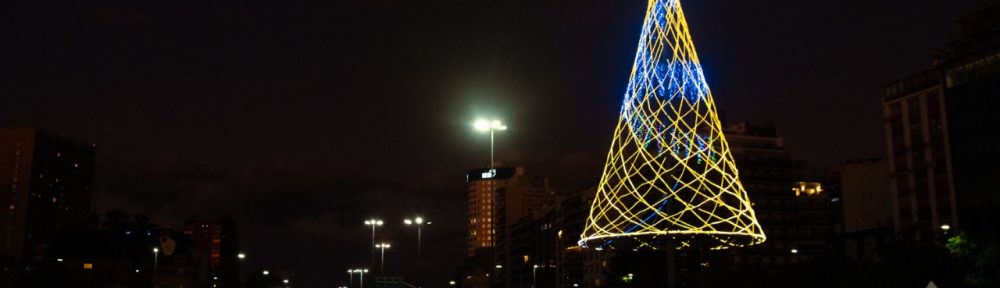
<point x="362" y="278"/>
<point x="484" y="125"/>
<point x="382" y="246"/>
<point x="241" y="257"/>
<point x="156" y="262"/>
<point x="534" y="275"/>
<point x="374" y="223"/>
<point x="419" y="222"/>
<point x="350" y="277"/>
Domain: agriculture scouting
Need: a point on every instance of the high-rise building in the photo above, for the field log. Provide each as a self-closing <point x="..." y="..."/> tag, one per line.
<point x="971" y="85"/>
<point x="940" y="159"/>
<point x="215" y="239"/>
<point x="795" y="215"/>
<point x="46" y="183"/>
<point x="918" y="155"/>
<point x="483" y="184"/>
<point x="519" y="198"/>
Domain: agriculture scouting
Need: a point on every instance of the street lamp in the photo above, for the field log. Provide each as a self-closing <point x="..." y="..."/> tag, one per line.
<point x="534" y="274"/>
<point x="382" y="246"/>
<point x="419" y="222"/>
<point x="362" y="273"/>
<point x="374" y="223"/>
<point x="265" y="272"/>
<point x="350" y="277"/>
<point x="945" y="229"/>
<point x="484" y="125"/>
<point x="239" y="269"/>
<point x="156" y="262"/>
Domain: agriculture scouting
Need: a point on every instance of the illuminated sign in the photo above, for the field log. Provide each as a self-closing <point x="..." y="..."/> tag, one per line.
<point x="490" y="174"/>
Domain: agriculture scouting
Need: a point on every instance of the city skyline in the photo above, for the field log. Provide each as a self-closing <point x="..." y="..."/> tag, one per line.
<point x="249" y="110"/>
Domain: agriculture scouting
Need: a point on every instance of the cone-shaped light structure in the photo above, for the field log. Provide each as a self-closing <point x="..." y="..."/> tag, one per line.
<point x="670" y="174"/>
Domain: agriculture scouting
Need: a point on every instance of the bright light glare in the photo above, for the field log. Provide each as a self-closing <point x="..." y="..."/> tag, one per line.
<point x="407" y="221"/>
<point x="482" y="125"/>
<point x="485" y="125"/>
<point x="419" y="220"/>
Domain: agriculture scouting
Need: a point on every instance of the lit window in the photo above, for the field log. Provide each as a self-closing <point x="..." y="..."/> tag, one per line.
<point x="88" y="266"/>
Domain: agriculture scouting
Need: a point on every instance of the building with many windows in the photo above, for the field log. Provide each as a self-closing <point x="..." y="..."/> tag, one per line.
<point x="46" y="182"/>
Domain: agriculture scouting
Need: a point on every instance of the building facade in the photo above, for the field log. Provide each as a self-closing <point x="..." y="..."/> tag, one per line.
<point x="46" y="183"/>
<point x="940" y="159"/>
<point x="216" y="241"/>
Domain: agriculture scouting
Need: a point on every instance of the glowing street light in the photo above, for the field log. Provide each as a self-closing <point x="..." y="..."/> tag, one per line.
<point x="265" y="272"/>
<point x="534" y="274"/>
<point x="156" y="262"/>
<point x="419" y="222"/>
<point x="350" y="277"/>
<point x="382" y="246"/>
<point x="362" y="272"/>
<point x="241" y="256"/>
<point x="484" y="125"/>
<point x="374" y="223"/>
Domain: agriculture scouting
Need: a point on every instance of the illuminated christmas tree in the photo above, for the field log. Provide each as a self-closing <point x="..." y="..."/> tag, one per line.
<point x="670" y="176"/>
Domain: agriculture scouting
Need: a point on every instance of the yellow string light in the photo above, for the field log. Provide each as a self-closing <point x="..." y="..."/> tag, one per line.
<point x="670" y="174"/>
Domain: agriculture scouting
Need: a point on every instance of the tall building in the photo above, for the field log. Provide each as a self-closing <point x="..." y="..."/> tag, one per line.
<point x="864" y="202"/>
<point x="918" y="155"/>
<point x="971" y="85"/>
<point x="795" y="215"/>
<point x="483" y="184"/>
<point x="522" y="196"/>
<point x="940" y="158"/>
<point x="865" y="195"/>
<point x="46" y="189"/>
<point x="216" y="239"/>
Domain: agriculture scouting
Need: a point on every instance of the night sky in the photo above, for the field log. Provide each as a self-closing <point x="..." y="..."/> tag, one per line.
<point x="302" y="119"/>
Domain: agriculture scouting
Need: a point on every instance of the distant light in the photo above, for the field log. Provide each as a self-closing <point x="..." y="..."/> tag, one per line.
<point x="156" y="250"/>
<point x="266" y="272"/>
<point x="407" y="221"/>
<point x="499" y="266"/>
<point x="88" y="266"/>
<point x="241" y="256"/>
<point x="59" y="260"/>
<point x="136" y="271"/>
<point x="795" y="251"/>
<point x="945" y="227"/>
<point x="284" y="281"/>
<point x="452" y="282"/>
<point x="419" y="220"/>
